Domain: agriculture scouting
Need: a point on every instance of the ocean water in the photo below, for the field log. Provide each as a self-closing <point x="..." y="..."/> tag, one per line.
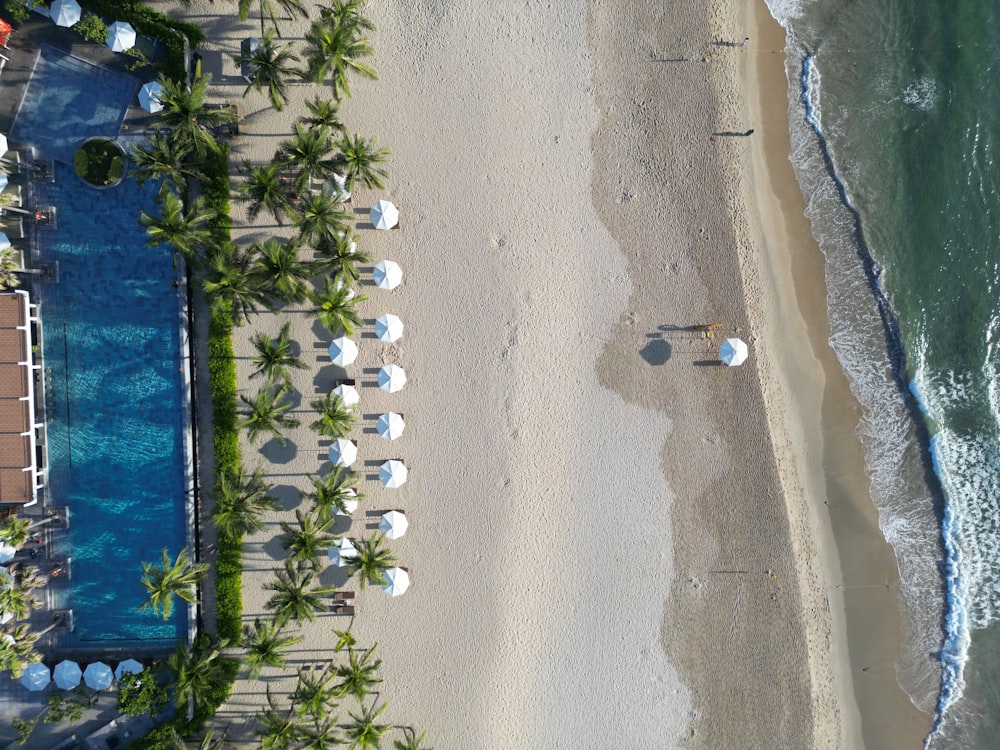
<point x="895" y="124"/>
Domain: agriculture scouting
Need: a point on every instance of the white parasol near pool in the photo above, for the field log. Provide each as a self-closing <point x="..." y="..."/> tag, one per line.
<point x="98" y="676"/>
<point x="121" y="36"/>
<point x="390" y="425"/>
<point x="393" y="524"/>
<point x="65" y="13"/>
<point x="343" y="351"/>
<point x="343" y="452"/>
<point x="733" y="352"/>
<point x="384" y="215"/>
<point x="36" y="677"/>
<point x="67" y="674"/>
<point x="389" y="328"/>
<point x="129" y="666"/>
<point x="348" y="394"/>
<point x="395" y="581"/>
<point x="391" y="378"/>
<point x="341" y="552"/>
<point x="387" y="274"/>
<point x="149" y="97"/>
<point x="393" y="474"/>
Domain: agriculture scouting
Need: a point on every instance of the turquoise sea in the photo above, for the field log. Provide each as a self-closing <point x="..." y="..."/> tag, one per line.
<point x="895" y="120"/>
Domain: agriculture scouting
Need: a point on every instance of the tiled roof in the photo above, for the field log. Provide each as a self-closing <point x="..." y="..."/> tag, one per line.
<point x="17" y="413"/>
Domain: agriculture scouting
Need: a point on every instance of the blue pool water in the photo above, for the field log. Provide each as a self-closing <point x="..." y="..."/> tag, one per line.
<point x="69" y="100"/>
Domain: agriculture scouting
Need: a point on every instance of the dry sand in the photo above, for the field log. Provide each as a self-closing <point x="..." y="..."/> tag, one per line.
<point x="612" y="540"/>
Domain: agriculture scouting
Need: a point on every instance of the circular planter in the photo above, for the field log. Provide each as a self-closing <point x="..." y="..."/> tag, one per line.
<point x="100" y="162"/>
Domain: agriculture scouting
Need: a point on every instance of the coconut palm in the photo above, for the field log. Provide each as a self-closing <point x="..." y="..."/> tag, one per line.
<point x="335" y="418"/>
<point x="186" y="116"/>
<point x="17" y="601"/>
<point x="295" y="597"/>
<point x="341" y="257"/>
<point x="185" y="231"/>
<point x="278" y="730"/>
<point x="274" y="357"/>
<point x="359" y="159"/>
<point x="198" y="671"/>
<point x="334" y="307"/>
<point x="277" y="263"/>
<point x="363" y="731"/>
<point x="345" y="640"/>
<point x="331" y="492"/>
<point x="9" y="266"/>
<point x="359" y="676"/>
<point x="335" y="46"/>
<point x="320" y="735"/>
<point x="271" y="67"/>
<point x="309" y="150"/>
<point x="372" y="561"/>
<point x="315" y="695"/>
<point x="241" y="500"/>
<point x="320" y="217"/>
<point x="17" y="649"/>
<point x="164" y="581"/>
<point x="265" y="646"/>
<point x="15" y="531"/>
<point x="324" y="113"/>
<point x="411" y="741"/>
<point x="266" y="189"/>
<point x="233" y="283"/>
<point x="307" y="541"/>
<point x="265" y="414"/>
<point x="163" y="158"/>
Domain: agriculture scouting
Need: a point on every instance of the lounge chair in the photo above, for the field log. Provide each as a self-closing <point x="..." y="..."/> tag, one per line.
<point x="343" y="596"/>
<point x="344" y="610"/>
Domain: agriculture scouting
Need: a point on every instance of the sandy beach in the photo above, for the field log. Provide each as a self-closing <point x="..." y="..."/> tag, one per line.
<point x="614" y="539"/>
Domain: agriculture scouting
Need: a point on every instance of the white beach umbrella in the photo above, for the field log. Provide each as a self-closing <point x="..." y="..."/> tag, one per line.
<point x="3" y="144"/>
<point x="343" y="351"/>
<point x="98" y="676"/>
<point x="733" y="352"/>
<point x="341" y="552"/>
<point x="121" y="36"/>
<point x="391" y="378"/>
<point x="393" y="474"/>
<point x="387" y="274"/>
<point x="384" y="215"/>
<point x="129" y="666"/>
<point x="350" y="502"/>
<point x="390" y="425"/>
<point x="149" y="97"/>
<point x="338" y="186"/>
<point x="343" y="452"/>
<point x="348" y="394"/>
<point x="395" y="581"/>
<point x="389" y="327"/>
<point x="36" y="676"/>
<point x="67" y="674"/>
<point x="393" y="524"/>
<point x="65" y="12"/>
<point x="6" y="551"/>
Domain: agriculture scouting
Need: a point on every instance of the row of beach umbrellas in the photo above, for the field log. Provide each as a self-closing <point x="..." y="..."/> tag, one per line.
<point x="66" y="13"/>
<point x="67" y="674"/>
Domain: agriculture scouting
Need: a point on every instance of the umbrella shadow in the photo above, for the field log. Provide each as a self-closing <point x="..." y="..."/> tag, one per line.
<point x="277" y="453"/>
<point x="657" y="352"/>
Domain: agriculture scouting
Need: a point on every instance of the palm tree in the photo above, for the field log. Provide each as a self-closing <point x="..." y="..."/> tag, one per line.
<point x="411" y="741"/>
<point x="363" y="732"/>
<point x="320" y="217"/>
<point x="293" y="598"/>
<point x="265" y="414"/>
<point x="240" y="502"/>
<point x="163" y="158"/>
<point x="332" y="491"/>
<point x="320" y="735"/>
<point x="265" y="189"/>
<point x="15" y="531"/>
<point x="359" y="160"/>
<point x="324" y="113"/>
<point x="342" y="256"/>
<point x="372" y="561"/>
<point x="278" y="730"/>
<point x="310" y="150"/>
<point x="274" y="357"/>
<point x="334" y="307"/>
<point x="335" y="46"/>
<point x="232" y="282"/>
<point x="265" y="646"/>
<point x="315" y="694"/>
<point x="168" y="579"/>
<point x="17" y="649"/>
<point x="345" y="640"/>
<point x="186" y="116"/>
<point x="279" y="266"/>
<point x="335" y="419"/>
<point x="269" y="10"/>
<point x="308" y="541"/>
<point x="359" y="676"/>
<point x="185" y="232"/>
<point x="271" y="67"/>
<point x="17" y="601"/>
<point x="199" y="672"/>
<point x="9" y="266"/>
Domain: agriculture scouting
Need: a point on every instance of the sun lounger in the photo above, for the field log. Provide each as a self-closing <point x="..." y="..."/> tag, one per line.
<point x="344" y="610"/>
<point x="346" y="597"/>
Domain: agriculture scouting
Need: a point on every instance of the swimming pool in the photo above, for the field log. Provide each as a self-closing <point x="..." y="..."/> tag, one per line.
<point x="115" y="387"/>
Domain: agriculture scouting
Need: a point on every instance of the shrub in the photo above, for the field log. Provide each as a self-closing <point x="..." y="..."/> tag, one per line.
<point x="99" y="162"/>
<point x="18" y="11"/>
<point x="92" y="28"/>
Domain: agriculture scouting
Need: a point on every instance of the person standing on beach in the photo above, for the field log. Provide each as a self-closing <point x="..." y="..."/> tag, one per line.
<point x="746" y="41"/>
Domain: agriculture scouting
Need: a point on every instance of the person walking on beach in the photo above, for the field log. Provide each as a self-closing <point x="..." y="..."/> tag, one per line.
<point x="746" y="41"/>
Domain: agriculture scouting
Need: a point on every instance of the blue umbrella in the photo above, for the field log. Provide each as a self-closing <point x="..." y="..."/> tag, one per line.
<point x="36" y="676"/>
<point x="129" y="666"/>
<point x="98" y="676"/>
